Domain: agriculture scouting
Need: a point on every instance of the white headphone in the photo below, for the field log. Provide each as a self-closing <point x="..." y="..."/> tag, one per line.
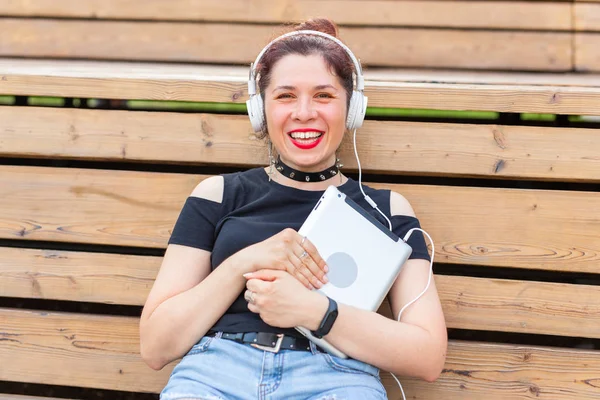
<point x="358" y="101"/>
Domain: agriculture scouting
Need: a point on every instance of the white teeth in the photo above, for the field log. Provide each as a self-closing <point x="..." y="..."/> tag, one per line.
<point x="306" y="135"/>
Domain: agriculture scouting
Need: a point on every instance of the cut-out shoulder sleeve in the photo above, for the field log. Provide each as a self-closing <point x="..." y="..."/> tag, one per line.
<point x="203" y="209"/>
<point x="403" y="220"/>
<point x="210" y="189"/>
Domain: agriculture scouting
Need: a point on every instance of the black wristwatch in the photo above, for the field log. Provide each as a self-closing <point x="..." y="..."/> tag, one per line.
<point x="328" y="320"/>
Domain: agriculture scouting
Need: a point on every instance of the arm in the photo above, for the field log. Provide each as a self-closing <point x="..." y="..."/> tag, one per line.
<point x="187" y="298"/>
<point x="415" y="346"/>
<point x="176" y="314"/>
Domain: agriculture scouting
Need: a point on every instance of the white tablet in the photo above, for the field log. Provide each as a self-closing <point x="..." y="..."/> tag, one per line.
<point x="364" y="257"/>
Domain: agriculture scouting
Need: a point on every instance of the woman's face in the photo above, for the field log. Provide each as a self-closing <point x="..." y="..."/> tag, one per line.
<point x="305" y="106"/>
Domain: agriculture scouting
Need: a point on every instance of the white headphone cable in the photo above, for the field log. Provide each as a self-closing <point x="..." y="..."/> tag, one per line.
<point x="367" y="198"/>
<point x="404" y="239"/>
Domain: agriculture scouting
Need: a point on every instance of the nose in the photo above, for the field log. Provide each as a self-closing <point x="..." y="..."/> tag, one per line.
<point x="304" y="110"/>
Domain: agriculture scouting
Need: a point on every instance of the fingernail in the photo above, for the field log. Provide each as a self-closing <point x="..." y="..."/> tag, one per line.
<point x="325" y="279"/>
<point x="311" y="287"/>
<point x="247" y="274"/>
<point x="326" y="269"/>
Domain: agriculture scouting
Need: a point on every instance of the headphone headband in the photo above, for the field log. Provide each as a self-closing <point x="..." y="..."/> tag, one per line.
<point x="357" y="106"/>
<point x="360" y="82"/>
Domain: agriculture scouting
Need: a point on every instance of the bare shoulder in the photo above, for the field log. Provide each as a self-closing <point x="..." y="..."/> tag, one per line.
<point x="399" y="205"/>
<point x="210" y="189"/>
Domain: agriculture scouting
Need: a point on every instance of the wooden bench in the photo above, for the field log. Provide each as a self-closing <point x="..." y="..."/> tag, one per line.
<point x="513" y="35"/>
<point x="94" y="232"/>
<point x="88" y="196"/>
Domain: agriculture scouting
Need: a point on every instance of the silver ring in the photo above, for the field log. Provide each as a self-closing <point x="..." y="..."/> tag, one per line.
<point x="304" y="254"/>
<point x="250" y="297"/>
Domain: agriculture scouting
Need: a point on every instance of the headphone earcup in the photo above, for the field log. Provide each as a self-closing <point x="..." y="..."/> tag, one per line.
<point x="256" y="112"/>
<point x="356" y="110"/>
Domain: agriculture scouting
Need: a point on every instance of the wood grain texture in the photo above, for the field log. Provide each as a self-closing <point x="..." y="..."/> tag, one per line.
<point x="21" y="397"/>
<point x="586" y="16"/>
<point x="480" y="371"/>
<point x="563" y="154"/>
<point x="239" y="44"/>
<point x="541" y="229"/>
<point x="520" y="306"/>
<point x="102" y="352"/>
<point x="468" y="303"/>
<point x="587" y="52"/>
<point x="567" y="95"/>
<point x="456" y="14"/>
<point x="77" y="276"/>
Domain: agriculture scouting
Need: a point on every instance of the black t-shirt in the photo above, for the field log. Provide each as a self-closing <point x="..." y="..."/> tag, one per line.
<point x="254" y="209"/>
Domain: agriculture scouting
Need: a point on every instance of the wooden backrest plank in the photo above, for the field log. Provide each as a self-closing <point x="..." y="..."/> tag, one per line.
<point x="468" y="303"/>
<point x="500" y="372"/>
<point x="4" y="396"/>
<point x="564" y="154"/>
<point x="520" y="306"/>
<point x="103" y="352"/>
<point x="166" y="82"/>
<point x="77" y="276"/>
<point x="457" y="14"/>
<point x="587" y="52"/>
<point x="524" y="228"/>
<point x="226" y="43"/>
<point x="166" y="72"/>
<point x="586" y="16"/>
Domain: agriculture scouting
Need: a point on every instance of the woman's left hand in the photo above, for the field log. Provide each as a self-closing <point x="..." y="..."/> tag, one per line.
<point x="282" y="301"/>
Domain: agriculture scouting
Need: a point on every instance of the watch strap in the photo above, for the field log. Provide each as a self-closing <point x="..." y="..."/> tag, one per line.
<point x="328" y="320"/>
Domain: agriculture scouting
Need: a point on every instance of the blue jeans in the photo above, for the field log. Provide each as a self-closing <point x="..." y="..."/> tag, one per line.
<point x="220" y="369"/>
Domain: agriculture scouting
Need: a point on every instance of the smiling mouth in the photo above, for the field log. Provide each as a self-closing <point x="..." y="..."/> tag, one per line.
<point x="306" y="138"/>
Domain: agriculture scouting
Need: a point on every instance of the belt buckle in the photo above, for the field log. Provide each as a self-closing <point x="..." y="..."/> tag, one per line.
<point x="273" y="349"/>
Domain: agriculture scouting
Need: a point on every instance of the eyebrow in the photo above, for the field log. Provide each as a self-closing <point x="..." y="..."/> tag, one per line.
<point x="319" y="87"/>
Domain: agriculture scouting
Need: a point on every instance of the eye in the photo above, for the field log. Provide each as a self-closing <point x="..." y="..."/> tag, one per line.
<point x="284" y="96"/>
<point x="325" y="95"/>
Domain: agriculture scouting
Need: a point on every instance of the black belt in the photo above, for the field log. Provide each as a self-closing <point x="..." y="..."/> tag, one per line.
<point x="272" y="342"/>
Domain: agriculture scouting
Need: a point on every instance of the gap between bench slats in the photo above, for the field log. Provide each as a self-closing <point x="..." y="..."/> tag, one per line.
<point x="102" y="352"/>
<point x="239" y="44"/>
<point x="539" y="229"/>
<point x="116" y="80"/>
<point x="468" y="303"/>
<point x="457" y="14"/>
<point x="565" y="154"/>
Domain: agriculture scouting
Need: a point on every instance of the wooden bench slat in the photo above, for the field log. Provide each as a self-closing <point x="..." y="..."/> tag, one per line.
<point x="102" y="352"/>
<point x="586" y="16"/>
<point x="114" y="80"/>
<point x="520" y="152"/>
<point x="541" y="229"/>
<point x="77" y="276"/>
<point x="481" y="371"/>
<point x="4" y="396"/>
<point x="187" y="42"/>
<point x="461" y="14"/>
<point x="206" y="72"/>
<point x="468" y="303"/>
<point x="587" y="51"/>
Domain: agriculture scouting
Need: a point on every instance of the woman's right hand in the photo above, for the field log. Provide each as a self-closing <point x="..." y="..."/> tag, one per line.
<point x="287" y="251"/>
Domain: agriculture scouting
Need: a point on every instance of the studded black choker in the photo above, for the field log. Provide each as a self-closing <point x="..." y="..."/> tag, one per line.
<point x="301" y="176"/>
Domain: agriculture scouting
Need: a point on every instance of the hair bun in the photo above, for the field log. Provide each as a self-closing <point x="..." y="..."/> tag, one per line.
<point x="324" y="25"/>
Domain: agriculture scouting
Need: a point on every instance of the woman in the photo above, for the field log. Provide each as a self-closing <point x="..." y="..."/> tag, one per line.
<point x="236" y="274"/>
